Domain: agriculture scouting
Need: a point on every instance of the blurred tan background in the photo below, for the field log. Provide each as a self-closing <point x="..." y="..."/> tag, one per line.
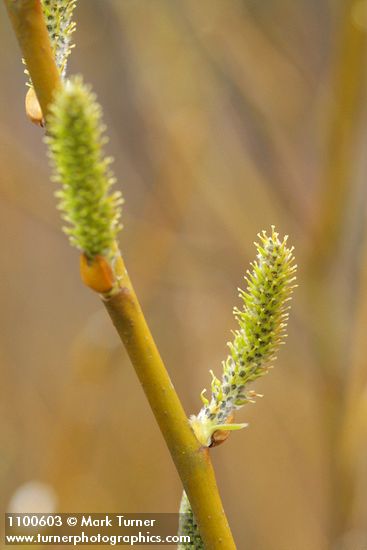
<point x="225" y="116"/>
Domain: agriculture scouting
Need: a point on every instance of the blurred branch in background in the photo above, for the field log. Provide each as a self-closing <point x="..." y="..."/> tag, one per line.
<point x="345" y="107"/>
<point x="337" y="189"/>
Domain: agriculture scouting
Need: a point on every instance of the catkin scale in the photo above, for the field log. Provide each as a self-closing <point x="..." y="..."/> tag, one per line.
<point x="96" y="274"/>
<point x="33" y="108"/>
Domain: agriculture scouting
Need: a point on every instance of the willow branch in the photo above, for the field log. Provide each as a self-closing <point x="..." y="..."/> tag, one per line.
<point x="31" y="32"/>
<point x="192" y="460"/>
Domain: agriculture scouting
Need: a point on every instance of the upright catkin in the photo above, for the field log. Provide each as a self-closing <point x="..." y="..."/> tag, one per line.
<point x="261" y="329"/>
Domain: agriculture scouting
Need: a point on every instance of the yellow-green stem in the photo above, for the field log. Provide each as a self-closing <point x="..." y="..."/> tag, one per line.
<point x="30" y="29"/>
<point x="191" y="459"/>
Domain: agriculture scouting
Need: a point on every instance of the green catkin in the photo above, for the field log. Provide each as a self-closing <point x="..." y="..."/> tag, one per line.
<point x="75" y="140"/>
<point x="262" y="322"/>
<point x="58" y="16"/>
<point x="188" y="527"/>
